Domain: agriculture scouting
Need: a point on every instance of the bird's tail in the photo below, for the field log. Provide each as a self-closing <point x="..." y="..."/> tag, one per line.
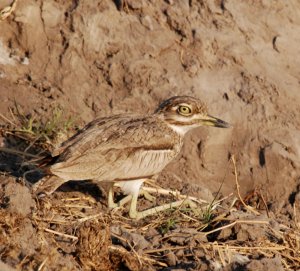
<point x="47" y="185"/>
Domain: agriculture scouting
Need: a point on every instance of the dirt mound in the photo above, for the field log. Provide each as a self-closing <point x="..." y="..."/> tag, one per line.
<point x="75" y="60"/>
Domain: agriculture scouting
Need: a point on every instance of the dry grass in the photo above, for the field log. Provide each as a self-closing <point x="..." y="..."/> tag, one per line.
<point x="43" y="133"/>
<point x="177" y="231"/>
<point x="28" y="139"/>
<point x="80" y="222"/>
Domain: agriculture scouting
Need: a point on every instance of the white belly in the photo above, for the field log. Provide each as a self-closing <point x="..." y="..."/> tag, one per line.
<point x="131" y="187"/>
<point x="147" y="163"/>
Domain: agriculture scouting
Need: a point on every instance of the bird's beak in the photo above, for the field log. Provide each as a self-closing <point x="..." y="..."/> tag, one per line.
<point x="212" y="121"/>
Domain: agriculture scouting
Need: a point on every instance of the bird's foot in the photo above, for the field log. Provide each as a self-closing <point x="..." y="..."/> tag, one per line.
<point x="134" y="214"/>
<point x="147" y="195"/>
<point x="120" y="203"/>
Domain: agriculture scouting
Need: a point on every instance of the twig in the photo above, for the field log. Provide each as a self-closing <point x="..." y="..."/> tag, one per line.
<point x="221" y="255"/>
<point x="150" y="251"/>
<point x="75" y="238"/>
<point x="42" y="264"/>
<point x="170" y="192"/>
<point x="209" y="245"/>
<point x="89" y="199"/>
<point x="5" y="12"/>
<point x="123" y="250"/>
<point x="234" y="223"/>
<point x="251" y="209"/>
<point x="12" y="151"/>
<point x="132" y="249"/>
<point x="277" y="248"/>
<point x="265" y="204"/>
<point x="188" y="217"/>
<point x="51" y="220"/>
<point x="88" y="218"/>
<point x="77" y="206"/>
<point x="8" y="120"/>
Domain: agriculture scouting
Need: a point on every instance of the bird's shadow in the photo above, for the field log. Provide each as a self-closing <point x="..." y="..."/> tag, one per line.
<point x="20" y="158"/>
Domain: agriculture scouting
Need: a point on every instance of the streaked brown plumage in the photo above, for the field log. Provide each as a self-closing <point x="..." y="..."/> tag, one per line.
<point x="127" y="147"/>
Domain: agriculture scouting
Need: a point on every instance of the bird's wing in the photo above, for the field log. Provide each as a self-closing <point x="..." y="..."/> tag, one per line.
<point x="116" y="132"/>
<point x="114" y="142"/>
<point x="84" y="135"/>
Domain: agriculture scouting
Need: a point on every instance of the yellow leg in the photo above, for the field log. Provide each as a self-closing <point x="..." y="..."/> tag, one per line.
<point x="147" y="195"/>
<point x="111" y="203"/>
<point x="168" y="206"/>
<point x="124" y="200"/>
<point x="134" y="214"/>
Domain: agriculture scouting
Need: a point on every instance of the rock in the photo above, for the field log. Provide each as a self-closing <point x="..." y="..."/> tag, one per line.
<point x="19" y="197"/>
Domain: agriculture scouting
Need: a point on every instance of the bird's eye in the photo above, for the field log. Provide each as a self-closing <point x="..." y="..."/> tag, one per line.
<point x="184" y="110"/>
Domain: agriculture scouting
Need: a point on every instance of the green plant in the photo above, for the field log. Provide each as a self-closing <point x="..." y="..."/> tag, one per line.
<point x="207" y="214"/>
<point x="168" y="225"/>
<point x="48" y="131"/>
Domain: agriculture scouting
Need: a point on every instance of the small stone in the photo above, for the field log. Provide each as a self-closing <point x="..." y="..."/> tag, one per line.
<point x="171" y="258"/>
<point x="20" y="199"/>
<point x="147" y="22"/>
<point x="225" y="233"/>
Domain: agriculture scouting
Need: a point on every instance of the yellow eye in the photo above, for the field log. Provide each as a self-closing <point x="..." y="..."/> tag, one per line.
<point x="184" y="110"/>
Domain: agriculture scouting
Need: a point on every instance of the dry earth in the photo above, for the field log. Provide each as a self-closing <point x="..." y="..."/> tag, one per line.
<point x="96" y="58"/>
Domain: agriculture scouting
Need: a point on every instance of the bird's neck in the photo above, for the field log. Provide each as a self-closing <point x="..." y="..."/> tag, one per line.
<point x="181" y="130"/>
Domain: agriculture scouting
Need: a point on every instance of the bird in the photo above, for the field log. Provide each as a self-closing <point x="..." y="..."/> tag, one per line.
<point x="127" y="149"/>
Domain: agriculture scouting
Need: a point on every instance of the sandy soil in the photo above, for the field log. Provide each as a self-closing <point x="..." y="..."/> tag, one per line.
<point x="96" y="58"/>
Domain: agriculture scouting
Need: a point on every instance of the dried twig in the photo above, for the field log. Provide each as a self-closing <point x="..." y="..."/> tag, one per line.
<point x="5" y="12"/>
<point x="21" y="153"/>
<point x="174" y="193"/>
<point x="123" y="250"/>
<point x="75" y="238"/>
<point x="251" y="209"/>
<point x="78" y="206"/>
<point x="6" y="119"/>
<point x="81" y="220"/>
<point x="42" y="264"/>
<point x="234" y="223"/>
<point x="131" y="247"/>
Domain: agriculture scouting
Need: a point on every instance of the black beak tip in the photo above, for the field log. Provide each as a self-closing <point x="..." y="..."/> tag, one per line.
<point x="222" y="124"/>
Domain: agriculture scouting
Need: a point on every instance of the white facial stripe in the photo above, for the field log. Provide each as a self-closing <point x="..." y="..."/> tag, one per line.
<point x="182" y="130"/>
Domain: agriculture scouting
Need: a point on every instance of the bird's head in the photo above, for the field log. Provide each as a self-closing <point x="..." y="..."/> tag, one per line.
<point x="183" y="113"/>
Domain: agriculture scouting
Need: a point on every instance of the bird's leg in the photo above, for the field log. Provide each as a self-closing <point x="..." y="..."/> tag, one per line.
<point x="47" y="185"/>
<point x="147" y="195"/>
<point x="134" y="194"/>
<point x="131" y="188"/>
<point x="124" y="200"/>
<point x="143" y="192"/>
<point x="110" y="196"/>
<point x="133" y="213"/>
<point x="111" y="203"/>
